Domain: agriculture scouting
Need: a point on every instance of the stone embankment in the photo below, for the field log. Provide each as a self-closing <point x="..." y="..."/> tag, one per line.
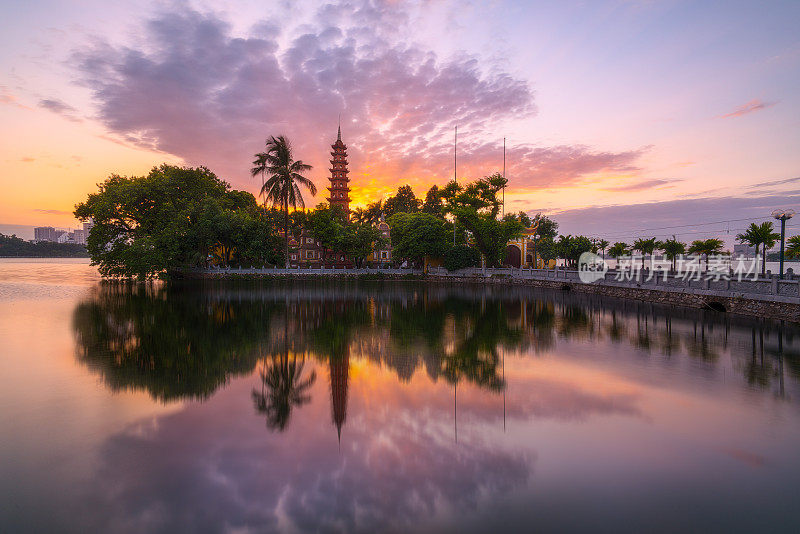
<point x="767" y="297"/>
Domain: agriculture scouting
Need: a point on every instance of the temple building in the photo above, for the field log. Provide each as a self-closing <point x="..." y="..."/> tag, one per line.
<point x="339" y="190"/>
<point x="308" y="252"/>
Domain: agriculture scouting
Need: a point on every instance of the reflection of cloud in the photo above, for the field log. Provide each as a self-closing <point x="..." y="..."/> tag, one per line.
<point x="754" y="105"/>
<point x="201" y="92"/>
<point x="749" y="458"/>
<point x="212" y="467"/>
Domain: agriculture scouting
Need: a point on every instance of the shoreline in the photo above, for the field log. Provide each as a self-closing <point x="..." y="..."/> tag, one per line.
<point x="772" y="306"/>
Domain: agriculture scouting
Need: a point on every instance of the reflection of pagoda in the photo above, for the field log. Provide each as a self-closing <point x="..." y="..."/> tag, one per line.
<point x="339" y="374"/>
<point x="339" y="189"/>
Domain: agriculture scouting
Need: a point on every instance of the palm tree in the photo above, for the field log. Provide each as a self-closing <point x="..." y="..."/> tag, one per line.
<point x="602" y="245"/>
<point x="706" y="247"/>
<point x="672" y="248"/>
<point x="260" y="166"/>
<point x="284" y="174"/>
<point x="645" y="246"/>
<point x="282" y="388"/>
<point x="618" y="249"/>
<point x="760" y="234"/>
<point x="793" y="247"/>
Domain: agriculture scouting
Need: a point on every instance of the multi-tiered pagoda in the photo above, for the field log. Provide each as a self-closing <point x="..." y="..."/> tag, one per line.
<point x="309" y="252"/>
<point x="339" y="188"/>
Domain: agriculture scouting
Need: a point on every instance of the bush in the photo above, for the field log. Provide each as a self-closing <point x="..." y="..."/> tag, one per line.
<point x="461" y="257"/>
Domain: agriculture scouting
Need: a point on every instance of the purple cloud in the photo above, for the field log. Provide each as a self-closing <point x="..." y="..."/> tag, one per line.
<point x="640" y="186"/>
<point x="60" y="108"/>
<point x="663" y="219"/>
<point x="201" y="93"/>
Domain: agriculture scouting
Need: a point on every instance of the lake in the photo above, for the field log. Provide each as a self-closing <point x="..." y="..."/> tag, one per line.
<point x="386" y="407"/>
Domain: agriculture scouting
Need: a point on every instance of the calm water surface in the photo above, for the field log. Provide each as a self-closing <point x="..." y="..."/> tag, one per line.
<point x="369" y="407"/>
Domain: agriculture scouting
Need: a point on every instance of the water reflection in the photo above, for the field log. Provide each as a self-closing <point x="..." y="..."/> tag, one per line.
<point x="185" y="342"/>
<point x="361" y="385"/>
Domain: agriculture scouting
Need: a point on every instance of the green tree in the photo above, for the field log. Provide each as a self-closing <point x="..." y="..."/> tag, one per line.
<point x="645" y="246"/>
<point x="370" y="215"/>
<point x="285" y="176"/>
<point x="403" y="202"/>
<point x="145" y="227"/>
<point x="461" y="257"/>
<point x="602" y="245"/>
<point x="433" y="202"/>
<point x="359" y="240"/>
<point x="793" y="247"/>
<point x="706" y="247"/>
<point x="334" y="232"/>
<point x="618" y="250"/>
<point x="672" y="248"/>
<point x="546" y="232"/>
<point x="570" y="248"/>
<point x="416" y="236"/>
<point x="476" y="207"/>
<point x="760" y="235"/>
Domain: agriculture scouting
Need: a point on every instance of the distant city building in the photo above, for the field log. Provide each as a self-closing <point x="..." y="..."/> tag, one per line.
<point x="744" y="250"/>
<point x="87" y="227"/>
<point x="45" y="233"/>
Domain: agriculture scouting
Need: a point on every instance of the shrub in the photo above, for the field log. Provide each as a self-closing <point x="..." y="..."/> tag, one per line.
<point x="461" y="257"/>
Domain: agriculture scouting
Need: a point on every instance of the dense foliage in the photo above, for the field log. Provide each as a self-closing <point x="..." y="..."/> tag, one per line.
<point x="172" y="218"/>
<point x="12" y="246"/>
<point x="416" y="236"/>
<point x="283" y="176"/>
<point x="476" y="207"/>
<point x="570" y="248"/>
<point x="334" y="232"/>
<point x="461" y="257"/>
<point x="403" y="202"/>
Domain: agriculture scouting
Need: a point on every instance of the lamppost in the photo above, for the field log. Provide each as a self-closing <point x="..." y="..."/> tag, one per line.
<point x="782" y="216"/>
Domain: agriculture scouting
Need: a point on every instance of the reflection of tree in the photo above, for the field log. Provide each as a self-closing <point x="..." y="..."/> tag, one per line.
<point x="701" y="344"/>
<point x="185" y="342"/>
<point x="171" y="343"/>
<point x="282" y="388"/>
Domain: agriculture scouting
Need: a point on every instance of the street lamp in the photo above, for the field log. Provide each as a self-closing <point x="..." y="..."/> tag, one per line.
<point x="782" y="216"/>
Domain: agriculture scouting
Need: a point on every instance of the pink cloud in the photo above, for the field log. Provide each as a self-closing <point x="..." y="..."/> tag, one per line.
<point x="211" y="98"/>
<point x="754" y="105"/>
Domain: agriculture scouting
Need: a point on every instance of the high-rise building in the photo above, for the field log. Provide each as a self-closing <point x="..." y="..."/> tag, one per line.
<point x="87" y="227"/>
<point x="79" y="236"/>
<point x="742" y="249"/>
<point x="339" y="189"/>
<point x="45" y="233"/>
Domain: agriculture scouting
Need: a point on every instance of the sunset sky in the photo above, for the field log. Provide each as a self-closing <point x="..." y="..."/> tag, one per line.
<point x="621" y="118"/>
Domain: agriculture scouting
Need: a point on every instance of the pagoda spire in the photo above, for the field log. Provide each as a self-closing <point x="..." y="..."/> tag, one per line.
<point x="339" y="136"/>
<point x="339" y="189"/>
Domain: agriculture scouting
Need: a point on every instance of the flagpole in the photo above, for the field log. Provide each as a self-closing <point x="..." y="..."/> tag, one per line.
<point x="504" y="175"/>
<point x="455" y="175"/>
